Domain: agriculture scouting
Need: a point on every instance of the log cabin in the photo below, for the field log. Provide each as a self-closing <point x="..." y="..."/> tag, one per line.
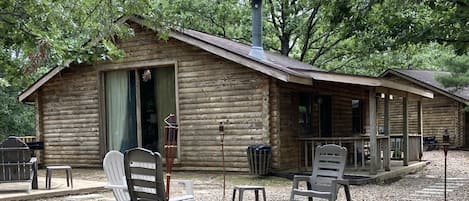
<point x="446" y="111"/>
<point x="85" y="110"/>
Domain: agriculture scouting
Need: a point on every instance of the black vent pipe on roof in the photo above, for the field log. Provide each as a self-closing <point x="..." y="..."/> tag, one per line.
<point x="256" y="50"/>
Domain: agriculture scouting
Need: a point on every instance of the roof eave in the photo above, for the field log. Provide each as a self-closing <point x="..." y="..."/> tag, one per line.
<point x="422" y="84"/>
<point x="367" y="81"/>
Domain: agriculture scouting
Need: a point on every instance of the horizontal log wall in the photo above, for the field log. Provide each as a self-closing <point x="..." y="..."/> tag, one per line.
<point x="286" y="143"/>
<point x="210" y="90"/>
<point x="439" y="113"/>
<point x="68" y="119"/>
<point x="396" y="120"/>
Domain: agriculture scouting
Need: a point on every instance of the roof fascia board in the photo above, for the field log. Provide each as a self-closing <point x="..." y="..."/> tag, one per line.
<point x="422" y="84"/>
<point x="31" y="89"/>
<point x="292" y="76"/>
<point x="49" y="75"/>
<point x="367" y="81"/>
<point x="231" y="56"/>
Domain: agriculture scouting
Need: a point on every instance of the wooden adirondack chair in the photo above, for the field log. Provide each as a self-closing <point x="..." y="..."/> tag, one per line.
<point x="113" y="165"/>
<point x="326" y="178"/>
<point x="144" y="175"/>
<point x="16" y="163"/>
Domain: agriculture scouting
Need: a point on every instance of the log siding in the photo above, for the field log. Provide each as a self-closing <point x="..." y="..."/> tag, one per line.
<point x="439" y="113"/>
<point x="68" y="119"/>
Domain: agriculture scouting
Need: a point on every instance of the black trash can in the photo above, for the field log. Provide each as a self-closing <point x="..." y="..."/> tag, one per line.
<point x="260" y="159"/>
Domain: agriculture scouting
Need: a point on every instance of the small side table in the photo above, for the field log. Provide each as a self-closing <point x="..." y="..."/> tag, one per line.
<point x="241" y="190"/>
<point x="68" y="172"/>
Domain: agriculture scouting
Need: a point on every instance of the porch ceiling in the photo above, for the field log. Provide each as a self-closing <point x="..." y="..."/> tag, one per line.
<point x="366" y="81"/>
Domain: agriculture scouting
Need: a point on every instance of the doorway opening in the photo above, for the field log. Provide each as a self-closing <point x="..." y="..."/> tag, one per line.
<point x="137" y="101"/>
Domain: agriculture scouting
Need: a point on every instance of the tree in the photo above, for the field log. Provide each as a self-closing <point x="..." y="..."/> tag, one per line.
<point x="38" y="34"/>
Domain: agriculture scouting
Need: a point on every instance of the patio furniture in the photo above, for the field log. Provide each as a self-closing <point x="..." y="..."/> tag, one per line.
<point x="326" y="178"/>
<point x="241" y="190"/>
<point x="113" y="165"/>
<point x="68" y="173"/>
<point x="144" y="174"/>
<point x="16" y="163"/>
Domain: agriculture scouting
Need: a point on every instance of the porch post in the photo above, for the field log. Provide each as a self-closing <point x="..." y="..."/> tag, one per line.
<point x="373" y="141"/>
<point x="405" y="130"/>
<point x="387" y="146"/>
<point x="420" y="125"/>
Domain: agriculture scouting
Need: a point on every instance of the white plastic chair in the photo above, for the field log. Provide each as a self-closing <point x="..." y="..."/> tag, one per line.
<point x="327" y="175"/>
<point x="113" y="165"/>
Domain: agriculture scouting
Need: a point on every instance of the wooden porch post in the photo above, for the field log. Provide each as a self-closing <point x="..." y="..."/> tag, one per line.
<point x="373" y="141"/>
<point x="405" y="130"/>
<point x="387" y="147"/>
<point x="420" y="125"/>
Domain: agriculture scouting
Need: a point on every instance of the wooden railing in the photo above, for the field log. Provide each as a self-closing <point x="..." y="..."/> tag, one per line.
<point x="27" y="139"/>
<point x="415" y="147"/>
<point x="359" y="149"/>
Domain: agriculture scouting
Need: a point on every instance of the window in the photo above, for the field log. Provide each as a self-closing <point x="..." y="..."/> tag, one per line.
<point x="357" y="116"/>
<point x="304" y="115"/>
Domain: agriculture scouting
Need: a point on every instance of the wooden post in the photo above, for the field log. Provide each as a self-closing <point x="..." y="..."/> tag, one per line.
<point x="420" y="126"/>
<point x="373" y="141"/>
<point x="405" y="130"/>
<point x="387" y="145"/>
<point x="138" y="107"/>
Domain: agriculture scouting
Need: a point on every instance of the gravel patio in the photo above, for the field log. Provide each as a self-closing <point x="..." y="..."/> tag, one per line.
<point x="208" y="186"/>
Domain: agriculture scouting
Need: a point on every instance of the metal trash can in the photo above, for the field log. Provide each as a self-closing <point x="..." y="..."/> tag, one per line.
<point x="260" y="159"/>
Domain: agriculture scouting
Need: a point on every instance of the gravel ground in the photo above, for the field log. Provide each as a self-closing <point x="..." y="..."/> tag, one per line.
<point x="208" y="187"/>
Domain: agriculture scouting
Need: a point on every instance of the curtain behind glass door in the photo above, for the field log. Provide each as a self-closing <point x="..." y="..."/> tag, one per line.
<point x="120" y="110"/>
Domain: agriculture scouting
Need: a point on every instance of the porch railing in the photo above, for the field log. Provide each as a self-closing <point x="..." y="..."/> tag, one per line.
<point x="359" y="148"/>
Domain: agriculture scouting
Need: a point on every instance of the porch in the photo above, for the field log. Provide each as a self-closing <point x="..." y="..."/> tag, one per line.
<point x="354" y="113"/>
<point x="390" y="151"/>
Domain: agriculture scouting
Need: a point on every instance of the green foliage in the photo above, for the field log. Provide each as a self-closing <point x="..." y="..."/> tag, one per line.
<point x="459" y="69"/>
<point x="352" y="36"/>
<point x="15" y="119"/>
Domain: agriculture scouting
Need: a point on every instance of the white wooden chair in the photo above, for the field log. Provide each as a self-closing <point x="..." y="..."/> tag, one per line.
<point x="326" y="178"/>
<point x="113" y="165"/>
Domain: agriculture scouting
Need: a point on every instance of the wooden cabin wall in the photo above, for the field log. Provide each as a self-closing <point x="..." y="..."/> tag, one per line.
<point x="396" y="120"/>
<point x="210" y="90"/>
<point x="275" y="124"/>
<point x="341" y="97"/>
<point x="289" y="147"/>
<point x="439" y="113"/>
<point x="285" y="140"/>
<point x="68" y="119"/>
<point x="442" y="113"/>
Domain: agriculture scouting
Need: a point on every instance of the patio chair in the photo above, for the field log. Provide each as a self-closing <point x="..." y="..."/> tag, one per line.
<point x="16" y="163"/>
<point x="326" y="178"/>
<point x="144" y="175"/>
<point x="113" y="165"/>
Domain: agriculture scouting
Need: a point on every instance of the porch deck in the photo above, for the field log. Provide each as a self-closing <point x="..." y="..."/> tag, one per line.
<point x="363" y="176"/>
<point x="17" y="191"/>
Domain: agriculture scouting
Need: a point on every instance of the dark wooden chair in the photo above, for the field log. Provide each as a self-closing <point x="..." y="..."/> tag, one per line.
<point x="16" y="163"/>
<point x="326" y="178"/>
<point x="144" y="175"/>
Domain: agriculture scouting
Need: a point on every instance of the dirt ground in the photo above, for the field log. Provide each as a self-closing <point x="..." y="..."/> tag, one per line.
<point x="209" y="186"/>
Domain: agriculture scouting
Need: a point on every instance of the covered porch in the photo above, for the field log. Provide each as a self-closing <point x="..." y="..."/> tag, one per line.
<point x="354" y="112"/>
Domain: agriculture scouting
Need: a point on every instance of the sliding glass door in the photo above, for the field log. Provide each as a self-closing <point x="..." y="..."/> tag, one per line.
<point x="127" y="95"/>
